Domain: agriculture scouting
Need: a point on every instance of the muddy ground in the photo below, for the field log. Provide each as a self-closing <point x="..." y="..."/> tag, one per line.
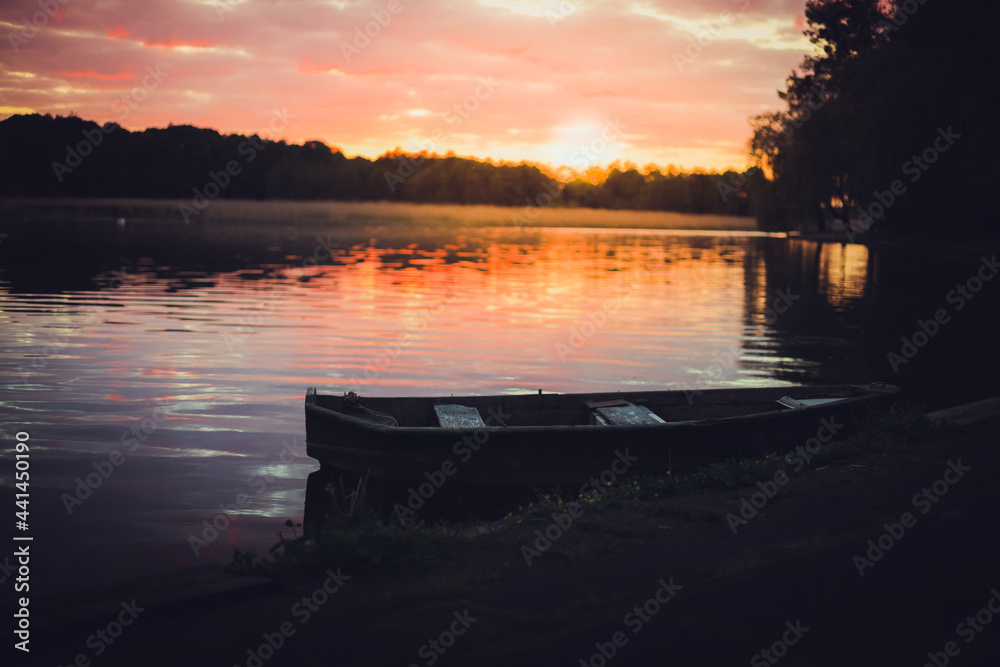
<point x="669" y="580"/>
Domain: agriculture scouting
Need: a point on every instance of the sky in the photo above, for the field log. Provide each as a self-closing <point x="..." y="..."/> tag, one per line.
<point x="580" y="83"/>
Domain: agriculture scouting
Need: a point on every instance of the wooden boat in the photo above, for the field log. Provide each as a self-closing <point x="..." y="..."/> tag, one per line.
<point x="549" y="439"/>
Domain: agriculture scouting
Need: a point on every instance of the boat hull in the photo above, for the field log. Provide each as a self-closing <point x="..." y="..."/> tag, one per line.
<point x="516" y="448"/>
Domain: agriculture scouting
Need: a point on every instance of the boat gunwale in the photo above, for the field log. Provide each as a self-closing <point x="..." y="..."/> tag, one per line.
<point x="867" y="392"/>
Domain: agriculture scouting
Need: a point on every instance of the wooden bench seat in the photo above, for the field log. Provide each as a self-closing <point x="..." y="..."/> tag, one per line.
<point x="800" y="403"/>
<point x="621" y="412"/>
<point x="458" y="416"/>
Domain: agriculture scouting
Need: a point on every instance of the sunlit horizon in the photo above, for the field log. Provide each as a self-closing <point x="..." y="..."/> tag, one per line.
<point x="556" y="84"/>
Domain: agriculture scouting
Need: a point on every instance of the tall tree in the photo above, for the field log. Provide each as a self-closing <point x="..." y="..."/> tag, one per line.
<point x="887" y="78"/>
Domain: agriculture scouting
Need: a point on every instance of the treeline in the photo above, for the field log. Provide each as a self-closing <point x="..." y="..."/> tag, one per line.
<point x="72" y="157"/>
<point x="891" y="124"/>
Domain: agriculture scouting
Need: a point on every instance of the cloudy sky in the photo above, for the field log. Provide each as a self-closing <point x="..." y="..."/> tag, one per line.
<point x="560" y="82"/>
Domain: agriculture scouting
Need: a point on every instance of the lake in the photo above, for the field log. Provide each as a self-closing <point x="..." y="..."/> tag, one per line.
<point x="168" y="362"/>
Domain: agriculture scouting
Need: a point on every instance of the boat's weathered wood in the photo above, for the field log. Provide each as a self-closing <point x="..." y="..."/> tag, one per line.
<point x="621" y="415"/>
<point x="790" y="402"/>
<point x="458" y="416"/>
<point x="593" y="405"/>
<point x="799" y="403"/>
<point x="970" y="413"/>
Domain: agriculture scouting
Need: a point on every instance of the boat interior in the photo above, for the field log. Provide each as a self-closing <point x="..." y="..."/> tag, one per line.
<point x="606" y="409"/>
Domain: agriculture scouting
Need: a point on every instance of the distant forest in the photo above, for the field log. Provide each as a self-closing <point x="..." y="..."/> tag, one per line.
<point x="72" y="157"/>
<point x="891" y="123"/>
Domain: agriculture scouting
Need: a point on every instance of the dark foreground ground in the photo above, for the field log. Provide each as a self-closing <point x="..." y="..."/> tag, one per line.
<point x="734" y="595"/>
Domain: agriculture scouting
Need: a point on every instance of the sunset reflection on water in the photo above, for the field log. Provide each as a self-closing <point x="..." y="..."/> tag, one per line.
<point x="229" y="331"/>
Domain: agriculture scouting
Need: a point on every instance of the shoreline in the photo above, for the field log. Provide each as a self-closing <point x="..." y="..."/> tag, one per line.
<point x="254" y="212"/>
<point x="307" y="215"/>
<point x="919" y="239"/>
<point x="795" y="559"/>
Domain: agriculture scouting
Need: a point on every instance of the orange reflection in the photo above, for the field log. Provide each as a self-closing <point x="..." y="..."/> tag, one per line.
<point x="488" y="309"/>
<point x="843" y="272"/>
<point x="468" y="310"/>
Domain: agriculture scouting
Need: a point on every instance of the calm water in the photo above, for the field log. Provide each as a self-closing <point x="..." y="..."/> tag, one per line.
<point x="208" y="336"/>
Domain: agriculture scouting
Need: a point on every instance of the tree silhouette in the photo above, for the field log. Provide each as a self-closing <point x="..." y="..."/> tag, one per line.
<point x="887" y="76"/>
<point x="186" y="162"/>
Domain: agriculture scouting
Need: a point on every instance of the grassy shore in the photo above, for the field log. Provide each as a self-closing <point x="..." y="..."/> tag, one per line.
<point x="793" y="561"/>
<point x="368" y="538"/>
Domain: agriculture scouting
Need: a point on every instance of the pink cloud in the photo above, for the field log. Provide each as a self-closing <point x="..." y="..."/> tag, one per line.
<point x="174" y="42"/>
<point x="309" y="67"/>
<point x="91" y="74"/>
<point x="368" y="86"/>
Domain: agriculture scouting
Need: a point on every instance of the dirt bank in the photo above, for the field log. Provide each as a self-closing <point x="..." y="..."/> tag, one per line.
<point x="670" y="581"/>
